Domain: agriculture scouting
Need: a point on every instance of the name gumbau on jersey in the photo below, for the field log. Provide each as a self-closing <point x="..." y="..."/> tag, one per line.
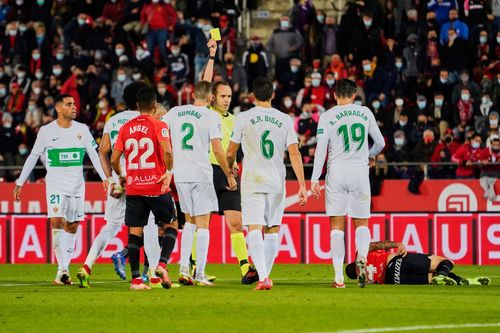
<point x="189" y="113"/>
<point x="267" y="119"/>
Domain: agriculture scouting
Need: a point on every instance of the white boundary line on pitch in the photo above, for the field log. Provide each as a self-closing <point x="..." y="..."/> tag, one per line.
<point x="415" y="328"/>
<point x="52" y="284"/>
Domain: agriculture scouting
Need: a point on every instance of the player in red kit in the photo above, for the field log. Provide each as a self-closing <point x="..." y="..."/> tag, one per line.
<point x="148" y="154"/>
<point x="400" y="267"/>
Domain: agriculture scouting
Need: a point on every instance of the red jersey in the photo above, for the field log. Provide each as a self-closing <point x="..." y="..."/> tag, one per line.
<point x="376" y="265"/>
<point x="140" y="139"/>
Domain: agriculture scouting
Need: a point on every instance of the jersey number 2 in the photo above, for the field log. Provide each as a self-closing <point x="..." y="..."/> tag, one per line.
<point x="357" y="135"/>
<point x="189" y="129"/>
<point x="133" y="145"/>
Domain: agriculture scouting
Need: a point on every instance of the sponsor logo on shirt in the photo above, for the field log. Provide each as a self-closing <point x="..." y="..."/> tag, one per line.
<point x="79" y="136"/>
<point x="164" y="133"/>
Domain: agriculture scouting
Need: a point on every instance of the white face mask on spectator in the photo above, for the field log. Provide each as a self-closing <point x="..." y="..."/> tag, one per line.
<point x="59" y="56"/>
<point x="21" y="75"/>
<point x="443" y="79"/>
<point x="399" y="102"/>
<point x="81" y="21"/>
<point x="399" y="141"/>
<point x="367" y="23"/>
<point x="136" y="76"/>
<point x="36" y="56"/>
<point x="483" y="39"/>
<point x="3" y="92"/>
<point x="358" y="102"/>
<point x="57" y="71"/>
<point x="493" y="122"/>
<point x="101" y="104"/>
<point x="284" y="24"/>
<point x="421" y="104"/>
<point x="39" y="75"/>
<point x="155" y="1"/>
<point x="485" y="99"/>
<point x="399" y="64"/>
<point x="37" y="90"/>
<point x="475" y="144"/>
<point x="31" y="107"/>
<point x="119" y="51"/>
<point x="438" y="101"/>
<point x="139" y="53"/>
<point x="316" y="82"/>
<point x="121" y="77"/>
<point x="12" y="32"/>
<point x="498" y="40"/>
<point x="465" y="97"/>
<point x="287" y="103"/>
<point x="403" y="123"/>
<point x="367" y="67"/>
<point x="376" y="105"/>
<point x="294" y="69"/>
<point x="162" y="90"/>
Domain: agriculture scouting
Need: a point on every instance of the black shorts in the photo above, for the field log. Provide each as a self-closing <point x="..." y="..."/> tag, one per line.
<point x="410" y="269"/>
<point x="228" y="200"/>
<point x="138" y="208"/>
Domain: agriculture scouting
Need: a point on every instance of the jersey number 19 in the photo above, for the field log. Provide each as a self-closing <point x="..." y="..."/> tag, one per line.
<point x="357" y="135"/>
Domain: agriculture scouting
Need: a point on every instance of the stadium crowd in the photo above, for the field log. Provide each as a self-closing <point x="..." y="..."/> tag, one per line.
<point x="429" y="70"/>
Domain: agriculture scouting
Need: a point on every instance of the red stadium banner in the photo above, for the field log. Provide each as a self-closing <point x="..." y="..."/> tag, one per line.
<point x="3" y="239"/>
<point x="453" y="237"/>
<point x="304" y="238"/>
<point x="436" y="196"/>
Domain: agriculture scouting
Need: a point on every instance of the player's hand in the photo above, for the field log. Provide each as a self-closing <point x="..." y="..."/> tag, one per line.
<point x="236" y="170"/>
<point x="371" y="162"/>
<point x="316" y="190"/>
<point x="212" y="47"/>
<point x="165" y="180"/>
<point x="105" y="185"/>
<point x="122" y="181"/>
<point x="232" y="184"/>
<point x="17" y="192"/>
<point x="402" y="250"/>
<point x="302" y="196"/>
<point x="116" y="191"/>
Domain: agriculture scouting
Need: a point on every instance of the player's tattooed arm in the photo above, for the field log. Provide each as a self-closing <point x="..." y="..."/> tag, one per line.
<point x="383" y="245"/>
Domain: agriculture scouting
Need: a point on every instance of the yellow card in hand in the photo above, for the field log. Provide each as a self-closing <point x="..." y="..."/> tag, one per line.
<point x="215" y="34"/>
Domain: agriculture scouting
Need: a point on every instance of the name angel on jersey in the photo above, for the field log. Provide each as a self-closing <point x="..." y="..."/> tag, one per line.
<point x="267" y="119"/>
<point x="139" y="128"/>
<point x="348" y="113"/>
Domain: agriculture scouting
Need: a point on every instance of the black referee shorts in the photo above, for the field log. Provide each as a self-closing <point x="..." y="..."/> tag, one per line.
<point x="228" y="200"/>
<point x="138" y="207"/>
<point x="410" y="269"/>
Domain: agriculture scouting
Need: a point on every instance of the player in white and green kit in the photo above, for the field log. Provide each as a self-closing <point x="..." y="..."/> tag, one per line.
<point x="63" y="144"/>
<point x="343" y="134"/>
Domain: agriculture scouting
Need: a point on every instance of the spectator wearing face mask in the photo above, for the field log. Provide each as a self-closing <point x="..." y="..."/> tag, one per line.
<point x="423" y="150"/>
<point x="288" y="106"/>
<point x="439" y="111"/>
<point x="9" y="145"/>
<point x="422" y="106"/>
<point x="465" y="82"/>
<point x="462" y="30"/>
<point x="3" y="97"/>
<point x="167" y="95"/>
<point x="399" y="152"/>
<point x="443" y="152"/>
<point x="467" y="157"/>
<point x="15" y="103"/>
<point x="375" y="80"/>
<point x="122" y="80"/>
<point x="381" y="116"/>
<point x="255" y="60"/>
<point x="402" y="125"/>
<point x="103" y="112"/>
<point x="428" y="60"/>
<point x="19" y="160"/>
<point x="493" y="127"/>
<point x="177" y="65"/>
<point x="234" y="74"/>
<point x="490" y="169"/>
<point x="285" y="43"/>
<point x="313" y="92"/>
<point x="442" y="9"/>
<point x="455" y="53"/>
<point x="330" y="90"/>
<point x="329" y="38"/>
<point x="442" y="83"/>
<point x="306" y="125"/>
<point x="228" y="35"/>
<point x="14" y="46"/>
<point x="419" y="128"/>
<point x="77" y="34"/>
<point x="34" y="116"/>
<point x="367" y="39"/>
<point x="337" y="67"/>
<point x="397" y="109"/>
<point x="465" y="106"/>
<point x="22" y="79"/>
<point x="144" y="60"/>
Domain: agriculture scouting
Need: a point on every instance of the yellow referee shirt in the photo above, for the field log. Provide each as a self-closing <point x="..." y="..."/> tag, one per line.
<point x="227" y="123"/>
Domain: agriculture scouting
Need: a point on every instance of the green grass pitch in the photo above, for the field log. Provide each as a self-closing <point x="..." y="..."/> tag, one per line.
<point x="301" y="301"/>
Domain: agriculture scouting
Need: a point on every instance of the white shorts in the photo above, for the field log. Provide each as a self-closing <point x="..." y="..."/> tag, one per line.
<point x="69" y="207"/>
<point x="262" y="208"/>
<point x="197" y="199"/>
<point x="115" y="210"/>
<point x="348" y="192"/>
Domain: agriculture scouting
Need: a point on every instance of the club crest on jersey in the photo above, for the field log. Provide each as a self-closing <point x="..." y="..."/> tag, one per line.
<point x="164" y="133"/>
<point x="79" y="136"/>
<point x="55" y="209"/>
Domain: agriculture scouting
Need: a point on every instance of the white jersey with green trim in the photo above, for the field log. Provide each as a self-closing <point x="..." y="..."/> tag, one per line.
<point x="346" y="128"/>
<point x="191" y="130"/>
<point x="112" y="127"/>
<point x="264" y="134"/>
<point x="64" y="150"/>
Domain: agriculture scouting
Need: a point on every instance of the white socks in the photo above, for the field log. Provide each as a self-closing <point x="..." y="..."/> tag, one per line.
<point x="257" y="251"/>
<point x="101" y="241"/>
<point x="58" y="242"/>
<point x="271" y="250"/>
<point x="338" y="254"/>
<point x="151" y="244"/>
<point x="69" y="241"/>
<point x="362" y="241"/>
<point x="187" y="243"/>
<point x="202" y="242"/>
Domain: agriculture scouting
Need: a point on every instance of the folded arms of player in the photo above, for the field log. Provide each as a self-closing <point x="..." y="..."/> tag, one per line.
<point x="387" y="245"/>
